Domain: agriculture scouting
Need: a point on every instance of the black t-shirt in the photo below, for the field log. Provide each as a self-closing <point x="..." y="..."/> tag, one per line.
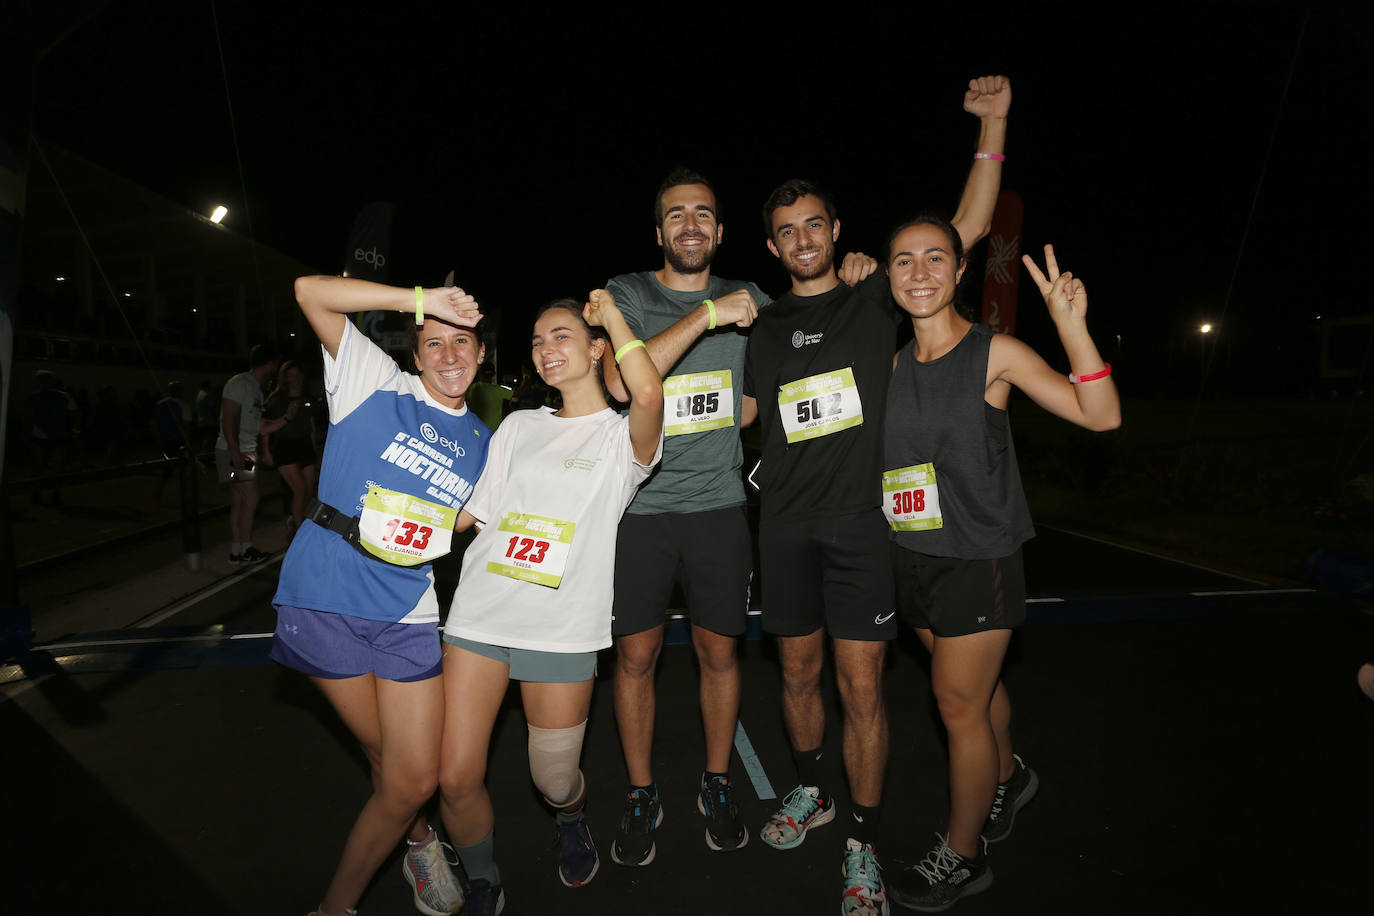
<point x="819" y="367"/>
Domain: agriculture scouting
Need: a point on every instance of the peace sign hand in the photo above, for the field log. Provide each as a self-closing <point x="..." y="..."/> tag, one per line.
<point x="1064" y="293"/>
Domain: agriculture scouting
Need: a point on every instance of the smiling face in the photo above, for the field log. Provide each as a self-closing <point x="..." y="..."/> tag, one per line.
<point x="447" y="358"/>
<point x="922" y="270"/>
<point x="804" y="238"/>
<point x="563" y="349"/>
<point x="689" y="232"/>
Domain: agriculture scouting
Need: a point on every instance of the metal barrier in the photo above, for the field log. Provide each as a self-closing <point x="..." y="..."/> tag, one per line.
<point x="185" y="461"/>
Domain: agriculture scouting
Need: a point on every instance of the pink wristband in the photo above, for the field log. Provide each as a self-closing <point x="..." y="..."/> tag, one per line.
<point x="1093" y="377"/>
<point x="995" y="157"/>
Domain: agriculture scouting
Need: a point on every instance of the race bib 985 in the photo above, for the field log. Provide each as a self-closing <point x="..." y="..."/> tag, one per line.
<point x="698" y="401"/>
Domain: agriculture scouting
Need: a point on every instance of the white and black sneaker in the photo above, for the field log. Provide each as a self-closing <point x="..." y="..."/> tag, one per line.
<point x="938" y="881"/>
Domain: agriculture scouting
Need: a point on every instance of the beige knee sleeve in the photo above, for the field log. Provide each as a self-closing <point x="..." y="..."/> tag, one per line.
<point x="554" y="753"/>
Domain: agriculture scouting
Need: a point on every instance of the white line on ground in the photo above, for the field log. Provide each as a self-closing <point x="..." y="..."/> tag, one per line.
<point x="752" y="765"/>
<point x="1157" y="556"/>
<point x="1255" y="591"/>
<point x="172" y="610"/>
<point x="58" y="647"/>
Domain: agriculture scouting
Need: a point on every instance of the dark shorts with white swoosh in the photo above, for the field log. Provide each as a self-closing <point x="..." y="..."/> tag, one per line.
<point x="830" y="572"/>
<point x="953" y="597"/>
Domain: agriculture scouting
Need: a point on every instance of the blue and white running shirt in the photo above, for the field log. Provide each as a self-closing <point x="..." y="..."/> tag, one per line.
<point x="384" y="431"/>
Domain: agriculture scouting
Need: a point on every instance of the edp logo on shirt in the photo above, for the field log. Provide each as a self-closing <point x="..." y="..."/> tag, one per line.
<point x="432" y="435"/>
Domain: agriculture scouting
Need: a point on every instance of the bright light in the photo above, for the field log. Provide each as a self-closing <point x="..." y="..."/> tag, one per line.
<point x="1205" y="328"/>
<point x="64" y="280"/>
<point x="128" y="295"/>
<point x="193" y="311"/>
<point x="220" y="213"/>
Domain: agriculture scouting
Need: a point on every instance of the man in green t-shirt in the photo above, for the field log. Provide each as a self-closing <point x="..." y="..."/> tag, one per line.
<point x="687" y="523"/>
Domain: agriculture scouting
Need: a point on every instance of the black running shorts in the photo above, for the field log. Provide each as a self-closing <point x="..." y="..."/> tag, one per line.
<point x="953" y="597"/>
<point x="830" y="572"/>
<point x="710" y="553"/>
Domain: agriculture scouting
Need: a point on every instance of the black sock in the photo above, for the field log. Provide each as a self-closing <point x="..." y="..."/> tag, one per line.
<point x="808" y="767"/>
<point x="707" y="776"/>
<point x="863" y="823"/>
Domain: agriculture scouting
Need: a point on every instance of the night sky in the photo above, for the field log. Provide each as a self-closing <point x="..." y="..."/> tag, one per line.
<point x="522" y="148"/>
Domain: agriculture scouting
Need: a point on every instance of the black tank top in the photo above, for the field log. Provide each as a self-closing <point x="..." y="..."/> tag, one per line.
<point x="936" y="413"/>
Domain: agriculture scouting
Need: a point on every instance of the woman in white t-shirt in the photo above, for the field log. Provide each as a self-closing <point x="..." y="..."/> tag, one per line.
<point x="534" y="600"/>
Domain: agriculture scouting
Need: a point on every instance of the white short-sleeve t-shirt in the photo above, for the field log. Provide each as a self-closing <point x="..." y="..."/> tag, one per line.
<point x="540" y="573"/>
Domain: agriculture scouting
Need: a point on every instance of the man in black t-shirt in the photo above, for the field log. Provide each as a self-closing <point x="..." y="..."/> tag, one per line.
<point x="816" y="375"/>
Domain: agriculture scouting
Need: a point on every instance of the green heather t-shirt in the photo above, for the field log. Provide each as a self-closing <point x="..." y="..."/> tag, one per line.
<point x="700" y="470"/>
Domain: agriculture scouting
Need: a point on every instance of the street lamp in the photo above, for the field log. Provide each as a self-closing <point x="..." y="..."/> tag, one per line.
<point x="1204" y="328"/>
<point x="220" y="213"/>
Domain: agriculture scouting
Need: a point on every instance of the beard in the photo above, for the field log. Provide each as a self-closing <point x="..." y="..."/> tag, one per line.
<point x="818" y="267"/>
<point x="692" y="261"/>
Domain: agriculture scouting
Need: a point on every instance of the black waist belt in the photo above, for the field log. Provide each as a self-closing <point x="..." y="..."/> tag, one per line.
<point x="339" y="522"/>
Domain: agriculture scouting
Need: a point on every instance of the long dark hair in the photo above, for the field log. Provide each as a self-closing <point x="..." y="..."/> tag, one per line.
<point x="575" y="307"/>
<point x="956" y="246"/>
<point x="280" y="391"/>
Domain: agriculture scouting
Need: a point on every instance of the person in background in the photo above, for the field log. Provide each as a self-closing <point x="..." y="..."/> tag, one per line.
<point x="236" y="451"/>
<point x="292" y="448"/>
<point x="172" y="424"/>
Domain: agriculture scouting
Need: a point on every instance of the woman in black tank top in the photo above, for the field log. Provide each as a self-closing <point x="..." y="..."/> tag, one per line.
<point x="959" y="518"/>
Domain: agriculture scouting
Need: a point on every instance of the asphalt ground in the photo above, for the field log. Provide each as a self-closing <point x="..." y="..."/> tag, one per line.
<point x="1200" y="742"/>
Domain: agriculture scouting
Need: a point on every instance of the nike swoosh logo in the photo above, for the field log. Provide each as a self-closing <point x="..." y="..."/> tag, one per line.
<point x="883" y="618"/>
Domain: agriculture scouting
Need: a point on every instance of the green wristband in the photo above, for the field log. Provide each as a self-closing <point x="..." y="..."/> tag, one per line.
<point x="711" y="313"/>
<point x="419" y="306"/>
<point x="619" y="354"/>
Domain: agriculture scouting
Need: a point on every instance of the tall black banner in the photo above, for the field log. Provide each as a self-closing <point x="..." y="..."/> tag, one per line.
<point x="368" y="257"/>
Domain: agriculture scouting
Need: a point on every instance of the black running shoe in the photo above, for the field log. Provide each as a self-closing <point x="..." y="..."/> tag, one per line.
<point x="1011" y="797"/>
<point x="938" y="881"/>
<point x="724" y="829"/>
<point x="634" y="840"/>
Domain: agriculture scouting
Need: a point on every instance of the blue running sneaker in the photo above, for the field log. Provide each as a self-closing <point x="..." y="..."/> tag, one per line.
<point x="577" y="858"/>
<point x="484" y="899"/>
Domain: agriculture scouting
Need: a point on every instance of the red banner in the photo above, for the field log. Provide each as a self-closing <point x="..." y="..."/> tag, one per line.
<point x="1003" y="272"/>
